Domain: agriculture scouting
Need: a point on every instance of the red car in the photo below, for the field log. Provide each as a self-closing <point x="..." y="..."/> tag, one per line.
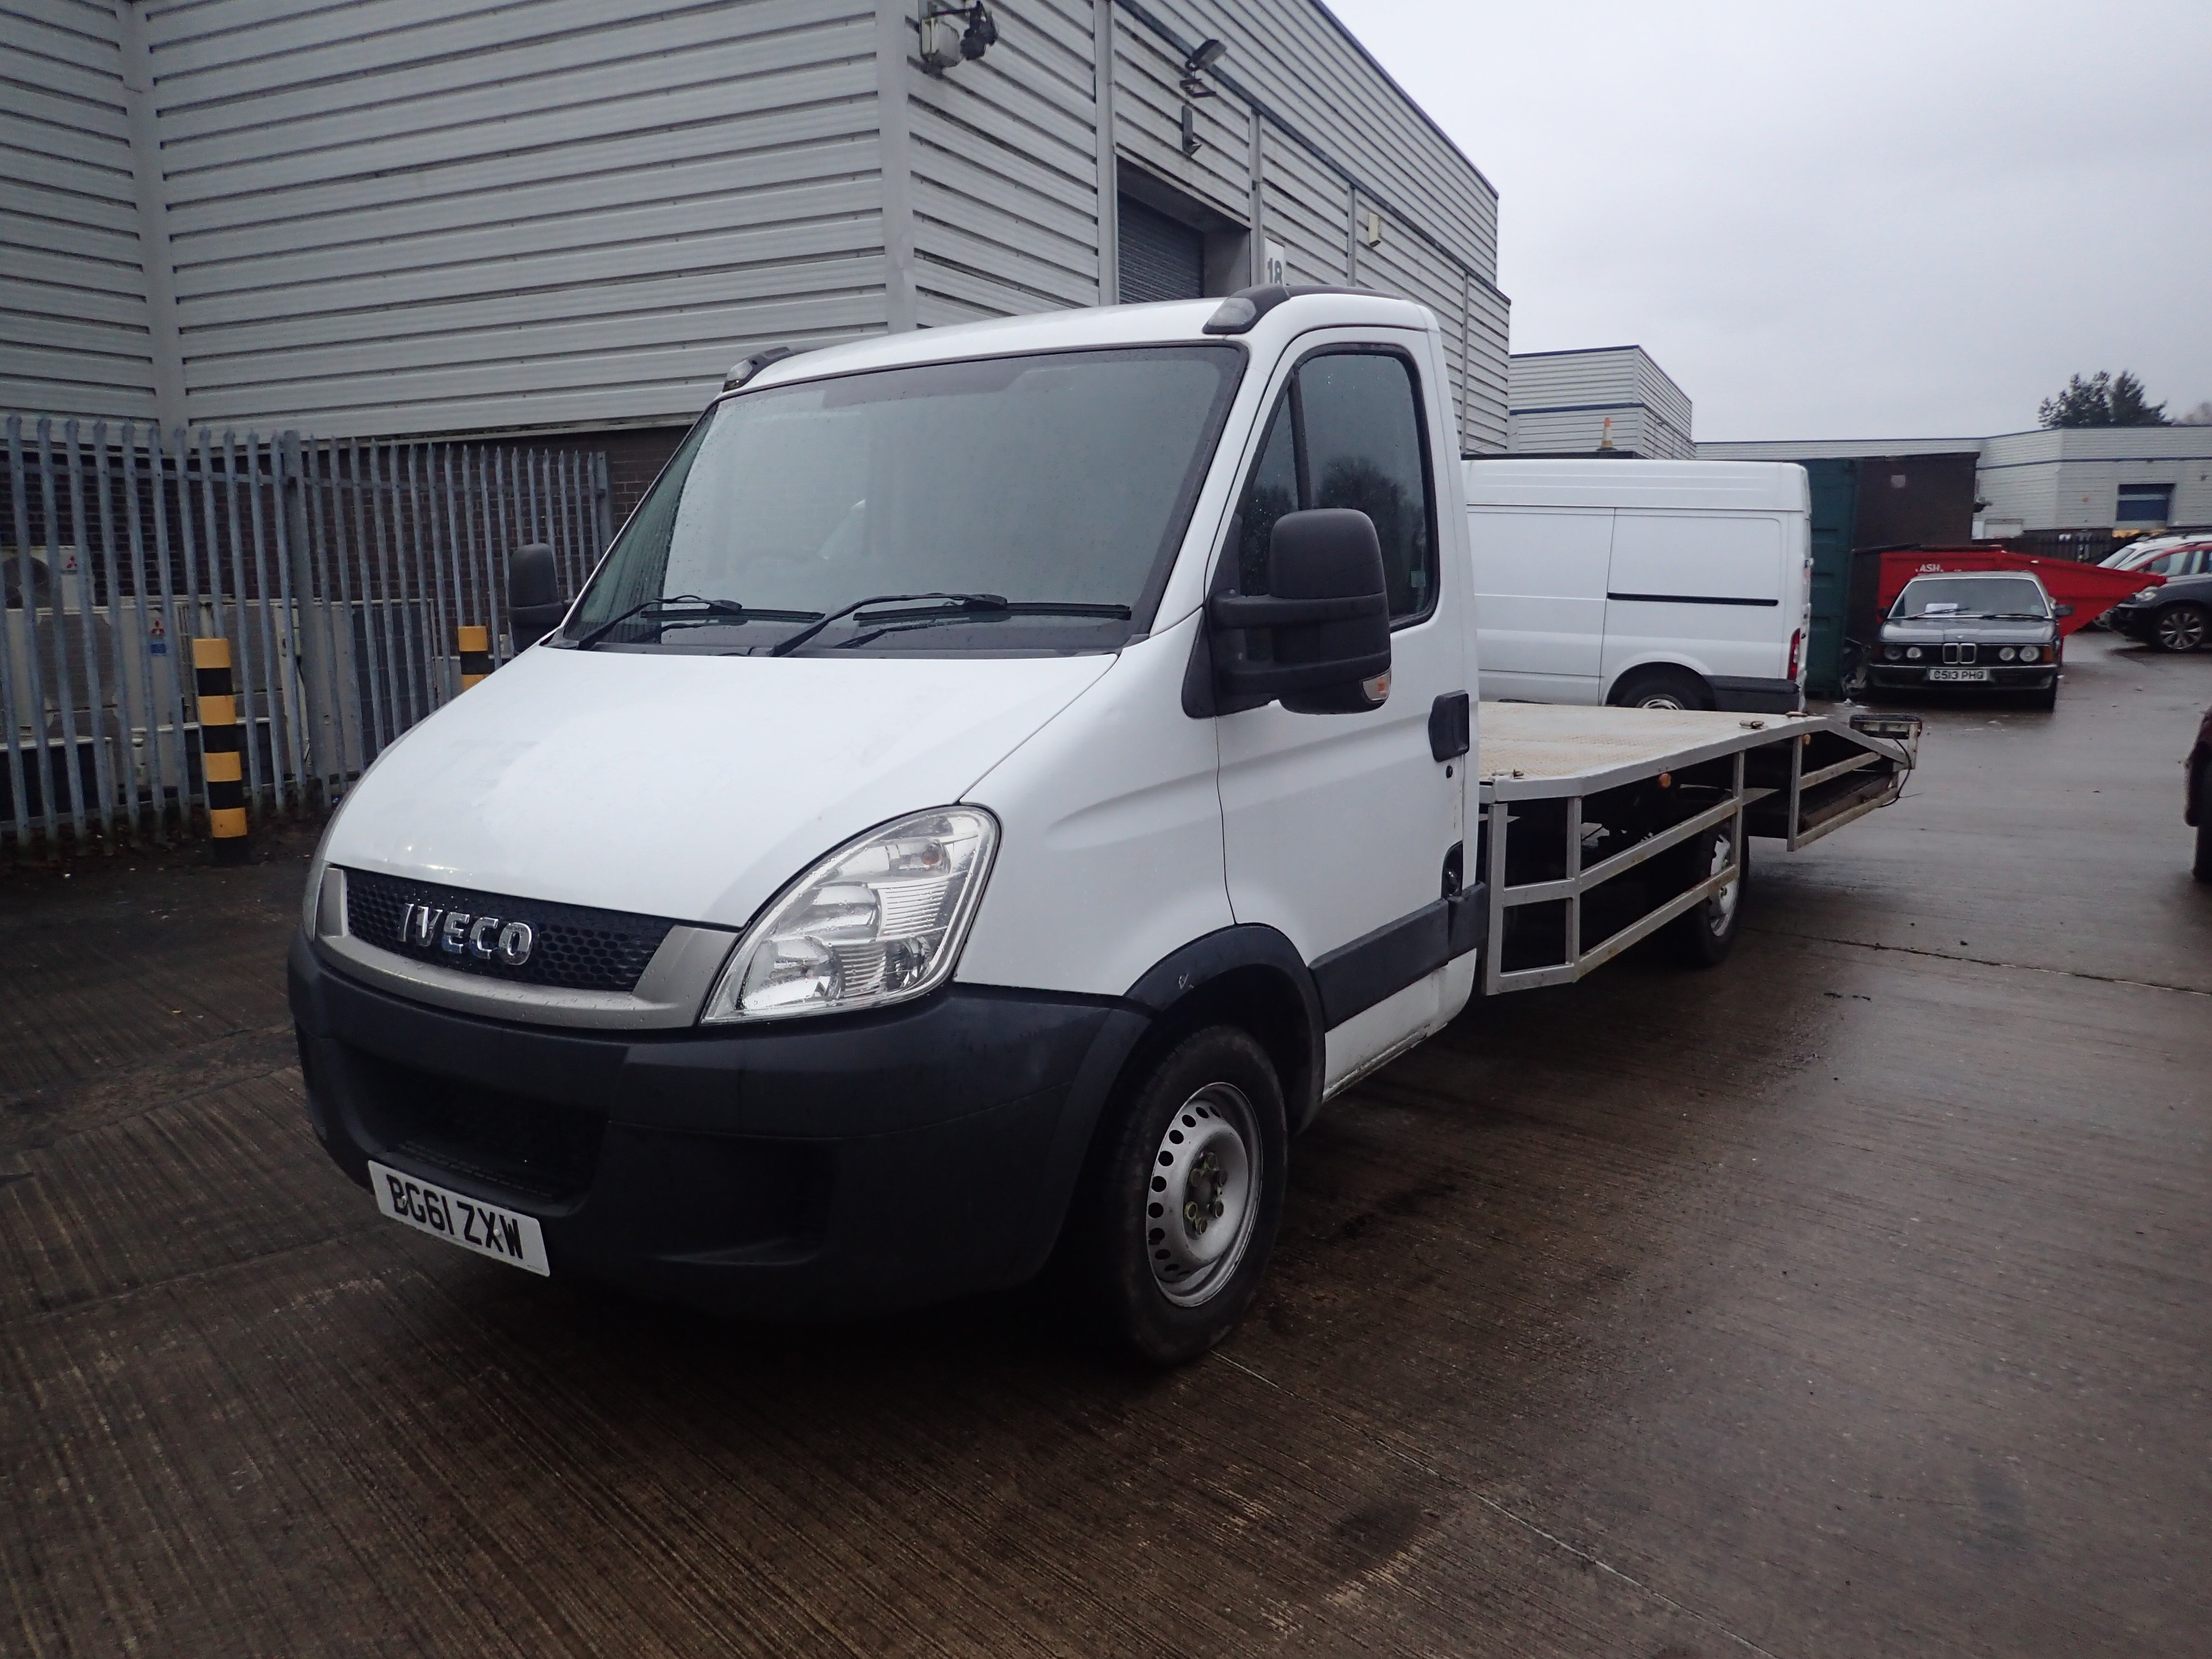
<point x="2198" y="810"/>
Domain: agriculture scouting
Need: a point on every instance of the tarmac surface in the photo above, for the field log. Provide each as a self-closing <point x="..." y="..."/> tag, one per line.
<point x="1850" y="1298"/>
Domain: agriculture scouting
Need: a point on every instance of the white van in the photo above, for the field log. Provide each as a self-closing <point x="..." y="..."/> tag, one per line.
<point x="1000" y="783"/>
<point x="1648" y="584"/>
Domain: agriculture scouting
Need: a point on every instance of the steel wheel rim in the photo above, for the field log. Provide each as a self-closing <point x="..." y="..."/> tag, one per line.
<point x="2181" y="628"/>
<point x="1201" y="1198"/>
<point x="1720" y="909"/>
<point x="1662" y="700"/>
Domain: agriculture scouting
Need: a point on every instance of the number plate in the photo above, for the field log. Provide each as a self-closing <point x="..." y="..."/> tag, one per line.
<point x="1958" y="674"/>
<point x="506" y="1236"/>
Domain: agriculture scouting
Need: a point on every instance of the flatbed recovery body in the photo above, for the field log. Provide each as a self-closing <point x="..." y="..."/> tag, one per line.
<point x="1560" y="786"/>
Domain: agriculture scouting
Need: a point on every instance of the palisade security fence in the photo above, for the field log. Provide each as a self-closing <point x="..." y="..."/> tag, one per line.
<point x="339" y="572"/>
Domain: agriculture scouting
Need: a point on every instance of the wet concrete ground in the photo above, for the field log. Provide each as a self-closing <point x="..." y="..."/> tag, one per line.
<point x="1851" y="1299"/>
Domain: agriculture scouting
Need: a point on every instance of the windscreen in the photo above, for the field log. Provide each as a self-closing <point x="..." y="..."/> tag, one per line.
<point x="1973" y="596"/>
<point x="1014" y="485"/>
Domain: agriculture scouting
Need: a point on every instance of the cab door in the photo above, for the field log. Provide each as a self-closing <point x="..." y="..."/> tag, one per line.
<point x="1337" y="828"/>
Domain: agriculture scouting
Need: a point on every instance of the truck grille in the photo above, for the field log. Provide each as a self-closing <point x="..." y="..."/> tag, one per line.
<point x="572" y="947"/>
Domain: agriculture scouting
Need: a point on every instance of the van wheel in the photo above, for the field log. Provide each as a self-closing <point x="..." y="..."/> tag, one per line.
<point x="1662" y="688"/>
<point x="1184" y="1196"/>
<point x="1702" y="937"/>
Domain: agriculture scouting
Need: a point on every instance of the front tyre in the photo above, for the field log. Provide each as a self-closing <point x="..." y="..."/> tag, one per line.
<point x="1184" y="1199"/>
<point x="2181" y="627"/>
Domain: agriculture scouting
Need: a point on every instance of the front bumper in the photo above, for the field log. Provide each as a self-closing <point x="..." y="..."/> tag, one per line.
<point x="2137" y="622"/>
<point x="1913" y="677"/>
<point x="826" y="1167"/>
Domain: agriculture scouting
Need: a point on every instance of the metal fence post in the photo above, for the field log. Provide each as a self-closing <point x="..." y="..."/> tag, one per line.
<point x="311" y="645"/>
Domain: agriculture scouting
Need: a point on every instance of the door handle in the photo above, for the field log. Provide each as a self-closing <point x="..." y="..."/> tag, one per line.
<point x="1451" y="731"/>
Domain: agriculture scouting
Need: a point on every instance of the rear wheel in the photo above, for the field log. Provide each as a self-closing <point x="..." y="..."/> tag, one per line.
<point x="1662" y="688"/>
<point x="1702" y="937"/>
<point x="1183" y="1197"/>
<point x="2180" y="627"/>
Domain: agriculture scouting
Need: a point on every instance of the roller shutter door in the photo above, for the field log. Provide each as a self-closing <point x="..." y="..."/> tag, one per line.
<point x="1162" y="258"/>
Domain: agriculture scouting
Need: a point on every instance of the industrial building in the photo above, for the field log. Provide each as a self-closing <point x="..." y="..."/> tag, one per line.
<point x="1612" y="399"/>
<point x="2070" y="486"/>
<point x="418" y="217"/>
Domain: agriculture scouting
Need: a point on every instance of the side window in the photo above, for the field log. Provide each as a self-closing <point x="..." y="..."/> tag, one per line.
<point x="1348" y="432"/>
<point x="1271" y="492"/>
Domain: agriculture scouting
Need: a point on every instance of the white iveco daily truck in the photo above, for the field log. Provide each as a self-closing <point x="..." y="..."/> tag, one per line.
<point x="999" y="783"/>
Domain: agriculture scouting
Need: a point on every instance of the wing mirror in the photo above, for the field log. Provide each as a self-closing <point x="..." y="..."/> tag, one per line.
<point x="534" y="605"/>
<point x="2062" y="610"/>
<point x="1326" y="622"/>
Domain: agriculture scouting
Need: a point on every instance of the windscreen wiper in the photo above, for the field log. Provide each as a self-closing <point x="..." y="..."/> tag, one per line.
<point x="715" y="609"/>
<point x="1017" y="608"/>
<point x="785" y="647"/>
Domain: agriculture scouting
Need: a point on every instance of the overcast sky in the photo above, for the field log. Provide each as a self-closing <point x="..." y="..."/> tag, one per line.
<point x="1873" y="220"/>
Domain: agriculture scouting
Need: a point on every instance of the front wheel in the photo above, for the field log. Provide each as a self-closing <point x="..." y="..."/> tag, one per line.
<point x="2180" y="627"/>
<point x="1702" y="936"/>
<point x="1184" y="1196"/>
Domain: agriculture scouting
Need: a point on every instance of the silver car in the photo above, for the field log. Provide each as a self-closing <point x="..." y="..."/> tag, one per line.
<point x="1993" y="630"/>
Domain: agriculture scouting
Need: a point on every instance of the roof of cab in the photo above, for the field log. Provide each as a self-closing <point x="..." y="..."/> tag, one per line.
<point x="1170" y="321"/>
<point x="1604" y="481"/>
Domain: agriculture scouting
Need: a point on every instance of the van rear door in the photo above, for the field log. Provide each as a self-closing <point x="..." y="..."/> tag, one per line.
<point x="1540" y="585"/>
<point x="1701" y="589"/>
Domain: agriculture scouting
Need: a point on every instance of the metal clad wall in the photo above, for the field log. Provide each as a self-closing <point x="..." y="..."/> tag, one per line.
<point x="1561" y="401"/>
<point x="1148" y="125"/>
<point x="2070" y="479"/>
<point x="1302" y="64"/>
<point x="73" y="316"/>
<point x="1004" y="171"/>
<point x="381" y="216"/>
<point x="434" y="214"/>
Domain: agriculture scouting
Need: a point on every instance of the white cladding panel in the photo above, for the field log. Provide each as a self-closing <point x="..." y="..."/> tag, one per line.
<point x="74" y="327"/>
<point x="2069" y="479"/>
<point x="1004" y="172"/>
<point x="1561" y="401"/>
<point x="438" y="214"/>
<point x="393" y="216"/>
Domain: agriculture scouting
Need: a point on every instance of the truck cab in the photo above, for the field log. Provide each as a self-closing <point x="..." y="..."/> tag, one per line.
<point x="998" y="784"/>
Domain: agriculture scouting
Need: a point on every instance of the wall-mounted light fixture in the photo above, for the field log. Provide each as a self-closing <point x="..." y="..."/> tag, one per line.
<point x="1371" y="229"/>
<point x="953" y="35"/>
<point x="1204" y="57"/>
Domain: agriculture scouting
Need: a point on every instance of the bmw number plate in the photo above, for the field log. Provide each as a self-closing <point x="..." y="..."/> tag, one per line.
<point x="505" y="1236"/>
<point x="1958" y="674"/>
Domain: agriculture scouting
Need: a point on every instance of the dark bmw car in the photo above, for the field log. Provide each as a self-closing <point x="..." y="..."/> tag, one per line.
<point x="1988" y="630"/>
<point x="2175" y="617"/>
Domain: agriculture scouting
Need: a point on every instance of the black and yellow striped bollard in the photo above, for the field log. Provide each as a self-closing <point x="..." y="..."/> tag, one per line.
<point x="474" y="647"/>
<point x="219" y="750"/>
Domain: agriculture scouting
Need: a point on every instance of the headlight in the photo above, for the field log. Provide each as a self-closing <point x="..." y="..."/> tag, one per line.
<point x="2005" y="654"/>
<point x="1893" y="651"/>
<point x="1913" y="653"/>
<point x="2145" y="597"/>
<point x="880" y="919"/>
